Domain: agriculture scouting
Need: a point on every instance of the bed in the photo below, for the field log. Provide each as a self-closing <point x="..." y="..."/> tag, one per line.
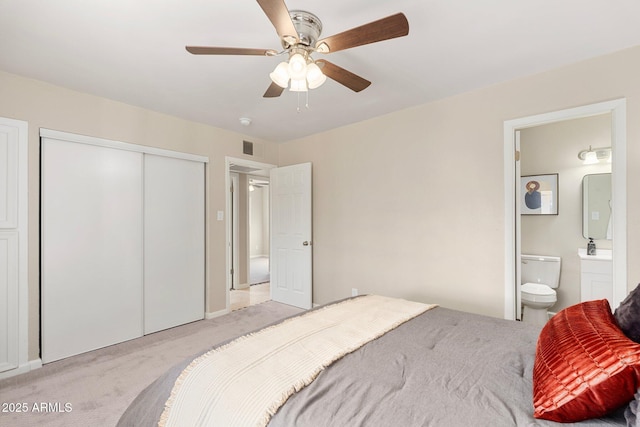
<point x="440" y="367"/>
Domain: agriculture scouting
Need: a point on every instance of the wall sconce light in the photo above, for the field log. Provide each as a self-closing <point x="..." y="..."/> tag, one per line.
<point x="595" y="155"/>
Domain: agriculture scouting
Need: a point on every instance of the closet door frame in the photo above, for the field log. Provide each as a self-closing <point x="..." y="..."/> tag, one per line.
<point x="100" y="142"/>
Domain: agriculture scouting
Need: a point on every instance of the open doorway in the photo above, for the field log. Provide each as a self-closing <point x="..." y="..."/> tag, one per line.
<point x="617" y="110"/>
<point x="259" y="240"/>
<point x="248" y="256"/>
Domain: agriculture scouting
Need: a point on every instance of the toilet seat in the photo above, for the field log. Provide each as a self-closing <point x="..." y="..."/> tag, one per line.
<point x="537" y="292"/>
<point x="537" y="289"/>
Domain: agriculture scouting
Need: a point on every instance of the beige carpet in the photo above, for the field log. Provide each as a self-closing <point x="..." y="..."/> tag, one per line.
<point x="99" y="385"/>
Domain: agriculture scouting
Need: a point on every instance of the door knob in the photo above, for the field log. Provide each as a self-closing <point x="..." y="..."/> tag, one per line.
<point x="306" y="243"/>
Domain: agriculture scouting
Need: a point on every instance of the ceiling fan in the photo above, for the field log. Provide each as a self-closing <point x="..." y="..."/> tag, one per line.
<point x="299" y="33"/>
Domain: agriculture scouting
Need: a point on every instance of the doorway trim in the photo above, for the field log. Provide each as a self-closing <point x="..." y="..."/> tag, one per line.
<point x="228" y="212"/>
<point x="618" y="110"/>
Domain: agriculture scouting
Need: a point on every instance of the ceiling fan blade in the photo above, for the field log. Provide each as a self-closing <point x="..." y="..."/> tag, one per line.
<point x="278" y="14"/>
<point x="274" y="91"/>
<point x="211" y="50"/>
<point x="383" y="29"/>
<point x="342" y="76"/>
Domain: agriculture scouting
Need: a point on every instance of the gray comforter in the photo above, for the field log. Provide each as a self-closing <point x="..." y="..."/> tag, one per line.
<point x="443" y="368"/>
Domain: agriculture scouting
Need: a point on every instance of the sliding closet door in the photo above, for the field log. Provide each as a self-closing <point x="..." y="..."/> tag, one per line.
<point x="173" y="242"/>
<point x="91" y="247"/>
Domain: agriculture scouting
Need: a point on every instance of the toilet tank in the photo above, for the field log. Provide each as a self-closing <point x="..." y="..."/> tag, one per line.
<point x="540" y="269"/>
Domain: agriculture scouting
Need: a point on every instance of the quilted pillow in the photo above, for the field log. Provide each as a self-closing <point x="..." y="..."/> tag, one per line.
<point x="585" y="366"/>
<point x="628" y="315"/>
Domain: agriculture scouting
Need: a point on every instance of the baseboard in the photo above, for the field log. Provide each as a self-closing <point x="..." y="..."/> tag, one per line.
<point x="214" y="314"/>
<point x="243" y="286"/>
<point x="22" y="369"/>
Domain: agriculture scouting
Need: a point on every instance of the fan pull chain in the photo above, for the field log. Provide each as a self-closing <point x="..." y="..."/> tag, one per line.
<point x="306" y="105"/>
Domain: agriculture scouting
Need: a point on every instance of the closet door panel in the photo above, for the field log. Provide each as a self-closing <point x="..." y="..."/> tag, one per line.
<point x="91" y="247"/>
<point x="174" y="267"/>
<point x="8" y="297"/>
<point x="8" y="176"/>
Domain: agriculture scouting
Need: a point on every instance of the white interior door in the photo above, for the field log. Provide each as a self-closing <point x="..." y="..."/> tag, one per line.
<point x="174" y="259"/>
<point x="9" y="300"/>
<point x="291" y="249"/>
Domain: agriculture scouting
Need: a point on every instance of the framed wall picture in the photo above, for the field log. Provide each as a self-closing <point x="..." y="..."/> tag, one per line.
<point x="539" y="194"/>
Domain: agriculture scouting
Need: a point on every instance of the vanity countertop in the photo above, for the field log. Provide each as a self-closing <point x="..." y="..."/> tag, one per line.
<point x="601" y="255"/>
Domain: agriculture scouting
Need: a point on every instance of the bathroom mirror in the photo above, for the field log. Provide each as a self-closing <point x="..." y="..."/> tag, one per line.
<point x="596" y="206"/>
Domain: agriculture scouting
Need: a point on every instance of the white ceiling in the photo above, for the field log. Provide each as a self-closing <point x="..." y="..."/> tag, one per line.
<point x="133" y="51"/>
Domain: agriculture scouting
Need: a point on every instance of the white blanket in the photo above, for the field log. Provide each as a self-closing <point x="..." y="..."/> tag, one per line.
<point x="244" y="382"/>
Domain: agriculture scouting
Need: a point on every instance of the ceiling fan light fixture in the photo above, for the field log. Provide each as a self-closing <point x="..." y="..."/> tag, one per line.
<point x="280" y="75"/>
<point x="298" y="85"/>
<point x="299" y="32"/>
<point x="315" y="77"/>
<point x="297" y="67"/>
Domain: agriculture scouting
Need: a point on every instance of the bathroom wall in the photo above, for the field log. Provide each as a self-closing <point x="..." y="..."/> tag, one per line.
<point x="550" y="149"/>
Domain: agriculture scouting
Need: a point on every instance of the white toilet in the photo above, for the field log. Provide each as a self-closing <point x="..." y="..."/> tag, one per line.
<point x="540" y="276"/>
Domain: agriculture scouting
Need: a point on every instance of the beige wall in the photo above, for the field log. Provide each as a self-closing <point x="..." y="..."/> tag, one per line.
<point x="411" y="204"/>
<point x="554" y="148"/>
<point x="243" y="230"/>
<point x="259" y="213"/>
<point x="44" y="105"/>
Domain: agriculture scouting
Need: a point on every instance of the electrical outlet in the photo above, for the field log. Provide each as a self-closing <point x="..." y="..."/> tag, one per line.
<point x="354" y="292"/>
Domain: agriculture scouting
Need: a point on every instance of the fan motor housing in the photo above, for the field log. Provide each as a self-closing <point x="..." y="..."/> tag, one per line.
<point x="308" y="27"/>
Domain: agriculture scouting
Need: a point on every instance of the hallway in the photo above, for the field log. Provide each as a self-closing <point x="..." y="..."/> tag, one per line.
<point x="256" y="294"/>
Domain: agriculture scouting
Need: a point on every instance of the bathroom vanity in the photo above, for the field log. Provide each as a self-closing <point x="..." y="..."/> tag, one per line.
<point x="596" y="275"/>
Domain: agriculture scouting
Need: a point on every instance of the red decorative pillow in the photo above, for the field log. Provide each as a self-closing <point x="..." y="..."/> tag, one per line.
<point x="585" y="366"/>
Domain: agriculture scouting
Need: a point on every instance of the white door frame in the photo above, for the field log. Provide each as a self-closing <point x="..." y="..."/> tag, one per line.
<point x="618" y="110"/>
<point x="518" y="234"/>
<point x="240" y="162"/>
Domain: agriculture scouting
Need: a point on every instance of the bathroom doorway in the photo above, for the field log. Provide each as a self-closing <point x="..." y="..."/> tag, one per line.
<point x="549" y="153"/>
<point x="513" y="231"/>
